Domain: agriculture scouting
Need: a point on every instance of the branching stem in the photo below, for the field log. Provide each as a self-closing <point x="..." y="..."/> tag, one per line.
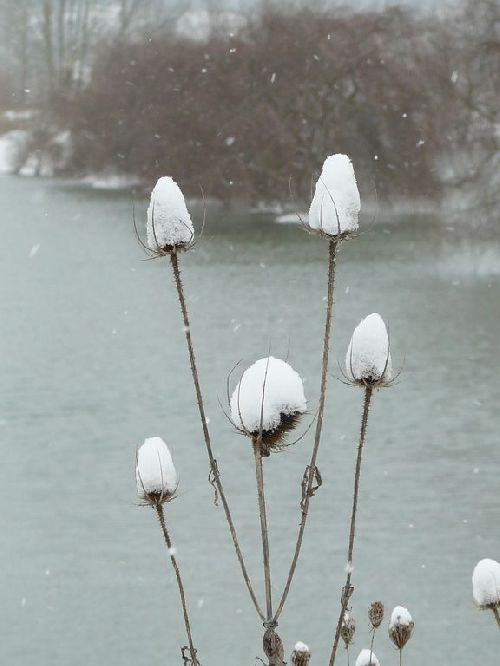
<point x="332" y="253"/>
<point x="206" y="434"/>
<point x="347" y="590"/>
<point x="166" y="536"/>
<point x="259" y="477"/>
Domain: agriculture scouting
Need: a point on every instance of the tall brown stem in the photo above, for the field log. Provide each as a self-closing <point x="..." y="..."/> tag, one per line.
<point x="206" y="434"/>
<point x="311" y="470"/>
<point x="347" y="590"/>
<point x="213" y="462"/>
<point x="259" y="477"/>
<point x="166" y="536"/>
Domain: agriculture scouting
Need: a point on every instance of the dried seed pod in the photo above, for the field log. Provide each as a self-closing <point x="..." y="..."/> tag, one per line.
<point x="336" y="204"/>
<point x="156" y="476"/>
<point x="348" y="629"/>
<point x="376" y="614"/>
<point x="400" y="627"/>
<point x="368" y="359"/>
<point x="270" y="398"/>
<point x="486" y="584"/>
<point x="301" y="655"/>
<point x="169" y="227"/>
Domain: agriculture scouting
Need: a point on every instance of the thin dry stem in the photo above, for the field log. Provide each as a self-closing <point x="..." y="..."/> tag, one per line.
<point x="166" y="536"/>
<point x="347" y="590"/>
<point x="206" y="435"/>
<point x="259" y="477"/>
<point x="496" y="614"/>
<point x="312" y="469"/>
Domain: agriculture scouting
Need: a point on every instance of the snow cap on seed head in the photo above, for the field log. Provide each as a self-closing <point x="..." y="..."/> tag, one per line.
<point x="400" y="626"/>
<point x="368" y="359"/>
<point x="336" y="204"/>
<point x="155" y="474"/>
<point x="301" y="654"/>
<point x="169" y="227"/>
<point x="486" y="583"/>
<point x="367" y="658"/>
<point x="269" y="394"/>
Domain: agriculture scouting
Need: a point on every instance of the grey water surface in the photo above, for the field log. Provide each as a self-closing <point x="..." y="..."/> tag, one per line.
<point x="93" y="360"/>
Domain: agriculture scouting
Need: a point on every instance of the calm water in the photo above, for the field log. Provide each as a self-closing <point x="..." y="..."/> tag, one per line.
<point x="93" y="361"/>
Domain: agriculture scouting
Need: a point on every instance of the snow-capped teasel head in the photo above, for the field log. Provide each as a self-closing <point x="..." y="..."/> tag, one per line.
<point x="156" y="476"/>
<point x="400" y="626"/>
<point x="335" y="207"/>
<point x="367" y="658"/>
<point x="486" y="584"/>
<point x="301" y="654"/>
<point x="169" y="227"/>
<point x="368" y="360"/>
<point x="269" y="396"/>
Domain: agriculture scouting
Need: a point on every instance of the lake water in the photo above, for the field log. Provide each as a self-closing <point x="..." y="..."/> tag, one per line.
<point x="93" y="360"/>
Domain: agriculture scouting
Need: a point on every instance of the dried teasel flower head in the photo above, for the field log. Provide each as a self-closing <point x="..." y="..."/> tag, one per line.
<point x="169" y="226"/>
<point x="368" y="359"/>
<point x="376" y="614"/>
<point x="156" y="476"/>
<point x="270" y="398"/>
<point x="400" y="626"/>
<point x="301" y="654"/>
<point x="367" y="658"/>
<point x="347" y="629"/>
<point x="486" y="584"/>
<point x="336" y="204"/>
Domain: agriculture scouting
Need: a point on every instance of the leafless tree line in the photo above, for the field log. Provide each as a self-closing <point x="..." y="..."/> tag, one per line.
<point x="251" y="114"/>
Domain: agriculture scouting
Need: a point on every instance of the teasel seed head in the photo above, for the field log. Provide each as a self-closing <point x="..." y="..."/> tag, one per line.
<point x="486" y="584"/>
<point x="348" y="629"/>
<point x="376" y="614"/>
<point x="400" y="627"/>
<point x="368" y="359"/>
<point x="267" y="403"/>
<point x="301" y="654"/>
<point x="156" y="476"/>
<point x="169" y="227"/>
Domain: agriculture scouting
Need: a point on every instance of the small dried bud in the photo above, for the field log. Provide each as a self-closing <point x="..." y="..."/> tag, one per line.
<point x="348" y="629"/>
<point x="301" y="655"/>
<point x="400" y="627"/>
<point x="376" y="614"/>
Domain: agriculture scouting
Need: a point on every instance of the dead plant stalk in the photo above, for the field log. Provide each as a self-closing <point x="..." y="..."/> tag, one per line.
<point x="347" y="590"/>
<point x="311" y="469"/>
<point x="206" y="434"/>
<point x="168" y="542"/>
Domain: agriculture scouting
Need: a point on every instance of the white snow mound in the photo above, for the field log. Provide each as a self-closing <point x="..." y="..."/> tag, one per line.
<point x="301" y="648"/>
<point x="267" y="389"/>
<point x="365" y="660"/>
<point x="336" y="204"/>
<point x="155" y="472"/>
<point x="368" y="356"/>
<point x="486" y="583"/>
<point x="400" y="617"/>
<point x="168" y="219"/>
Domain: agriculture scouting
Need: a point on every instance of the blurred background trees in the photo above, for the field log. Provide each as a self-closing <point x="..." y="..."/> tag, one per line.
<point x="249" y="103"/>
